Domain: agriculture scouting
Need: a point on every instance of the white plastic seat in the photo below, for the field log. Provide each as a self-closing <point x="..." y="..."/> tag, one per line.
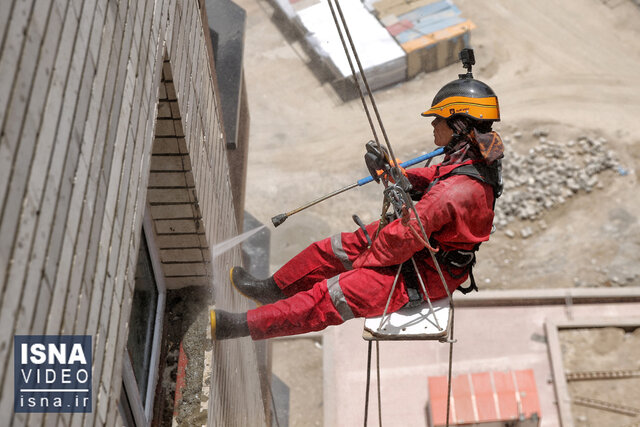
<point x="417" y="323"/>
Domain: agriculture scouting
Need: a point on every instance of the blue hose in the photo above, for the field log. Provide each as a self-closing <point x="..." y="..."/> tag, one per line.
<point x="408" y="163"/>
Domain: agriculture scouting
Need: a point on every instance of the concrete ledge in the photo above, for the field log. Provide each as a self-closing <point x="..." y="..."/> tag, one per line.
<point x="560" y="296"/>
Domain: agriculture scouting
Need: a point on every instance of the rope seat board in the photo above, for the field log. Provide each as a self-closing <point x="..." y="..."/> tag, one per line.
<point x="411" y="323"/>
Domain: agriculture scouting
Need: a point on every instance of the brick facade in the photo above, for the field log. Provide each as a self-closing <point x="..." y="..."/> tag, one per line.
<point x="107" y="107"/>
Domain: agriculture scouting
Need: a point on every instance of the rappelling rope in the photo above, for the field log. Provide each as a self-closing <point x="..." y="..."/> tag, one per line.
<point x="392" y="160"/>
<point x="378" y="373"/>
<point x="392" y="157"/>
<point x="366" y="401"/>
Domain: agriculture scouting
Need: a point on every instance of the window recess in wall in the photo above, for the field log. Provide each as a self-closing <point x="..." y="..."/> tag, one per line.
<point x="140" y="370"/>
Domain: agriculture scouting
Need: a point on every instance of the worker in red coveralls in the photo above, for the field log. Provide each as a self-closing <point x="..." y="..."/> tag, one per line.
<point x="340" y="278"/>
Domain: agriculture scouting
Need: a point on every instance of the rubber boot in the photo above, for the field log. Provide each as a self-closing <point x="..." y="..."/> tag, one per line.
<point x="225" y="325"/>
<point x="261" y="291"/>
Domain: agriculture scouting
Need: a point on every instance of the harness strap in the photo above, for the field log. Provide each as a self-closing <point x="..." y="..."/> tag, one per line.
<point x="456" y="258"/>
<point x="411" y="285"/>
<point x="472" y="285"/>
<point x="488" y="174"/>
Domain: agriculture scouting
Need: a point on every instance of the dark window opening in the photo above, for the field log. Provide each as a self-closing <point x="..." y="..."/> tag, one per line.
<point x="142" y="320"/>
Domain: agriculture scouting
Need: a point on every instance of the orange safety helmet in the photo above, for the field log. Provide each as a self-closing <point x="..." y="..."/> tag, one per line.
<point x="465" y="96"/>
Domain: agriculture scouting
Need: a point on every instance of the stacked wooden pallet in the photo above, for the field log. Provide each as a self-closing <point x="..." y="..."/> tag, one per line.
<point x="431" y="32"/>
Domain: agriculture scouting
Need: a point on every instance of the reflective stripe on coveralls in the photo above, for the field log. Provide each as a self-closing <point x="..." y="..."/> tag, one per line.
<point x="338" y="298"/>
<point x="338" y="251"/>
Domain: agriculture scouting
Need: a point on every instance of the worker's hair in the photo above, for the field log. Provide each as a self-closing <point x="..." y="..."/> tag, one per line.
<point x="462" y="125"/>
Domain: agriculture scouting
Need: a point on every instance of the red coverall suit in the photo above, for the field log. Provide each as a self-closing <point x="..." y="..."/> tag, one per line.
<point x="338" y="278"/>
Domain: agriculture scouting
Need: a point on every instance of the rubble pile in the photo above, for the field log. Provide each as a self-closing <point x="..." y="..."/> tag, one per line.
<point x="548" y="175"/>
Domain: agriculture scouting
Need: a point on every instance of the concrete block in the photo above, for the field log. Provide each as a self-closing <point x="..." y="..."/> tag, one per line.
<point x="168" y="179"/>
<point x="182" y="255"/>
<point x="6" y="385"/>
<point x="94" y="240"/>
<point x="166" y="145"/>
<point x="171" y="92"/>
<point x="162" y="94"/>
<point x="124" y="267"/>
<point x="46" y="60"/>
<point x="38" y="297"/>
<point x="178" y="226"/>
<point x="100" y="279"/>
<point x="82" y="313"/>
<point x="61" y="177"/>
<point x="168" y="163"/>
<point x="40" y="315"/>
<point x="14" y="36"/>
<point x="167" y="74"/>
<point x="35" y="419"/>
<point x="16" y="192"/>
<point x="73" y="298"/>
<point x="175" y="110"/>
<point x="164" y="110"/>
<point x="191" y="269"/>
<point x="181" y="241"/>
<point x="112" y="338"/>
<point x="16" y="80"/>
<point x="85" y="19"/>
<point x="102" y="401"/>
<point x="166" y="195"/>
<point x="165" y="127"/>
<point x="84" y="98"/>
<point x="125" y="185"/>
<point x="58" y="296"/>
<point x="116" y="241"/>
<point x="15" y="273"/>
<point x="96" y="33"/>
<point x="6" y="160"/>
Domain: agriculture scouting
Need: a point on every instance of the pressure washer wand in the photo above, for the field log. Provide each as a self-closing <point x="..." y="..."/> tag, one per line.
<point x="279" y="219"/>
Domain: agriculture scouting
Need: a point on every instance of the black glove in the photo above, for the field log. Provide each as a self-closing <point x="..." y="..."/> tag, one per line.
<point x="376" y="160"/>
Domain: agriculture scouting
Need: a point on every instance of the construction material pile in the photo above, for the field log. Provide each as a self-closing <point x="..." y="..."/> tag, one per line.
<point x="382" y="59"/>
<point x="549" y="175"/>
<point x="431" y="32"/>
<point x="395" y="39"/>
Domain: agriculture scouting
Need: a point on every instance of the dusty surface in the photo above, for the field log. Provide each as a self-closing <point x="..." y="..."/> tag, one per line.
<point x="298" y="363"/>
<point x="606" y="349"/>
<point x="568" y="67"/>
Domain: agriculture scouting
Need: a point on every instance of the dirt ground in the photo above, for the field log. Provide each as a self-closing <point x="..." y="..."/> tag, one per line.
<point x="304" y="378"/>
<point x="606" y="349"/>
<point x="567" y="67"/>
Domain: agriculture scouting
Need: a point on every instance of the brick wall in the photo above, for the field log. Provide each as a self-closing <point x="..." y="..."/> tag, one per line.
<point x="79" y="97"/>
